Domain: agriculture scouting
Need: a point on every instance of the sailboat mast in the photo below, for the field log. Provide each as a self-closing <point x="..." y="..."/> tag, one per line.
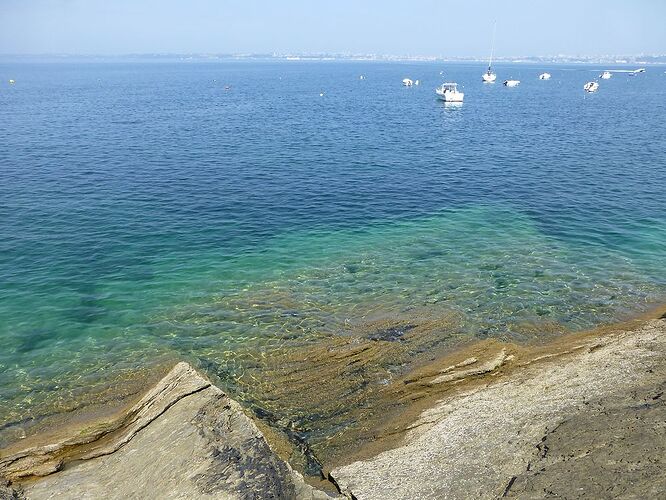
<point x="492" y="47"/>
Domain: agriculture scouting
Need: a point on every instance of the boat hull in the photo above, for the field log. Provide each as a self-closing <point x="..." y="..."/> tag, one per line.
<point x="451" y="96"/>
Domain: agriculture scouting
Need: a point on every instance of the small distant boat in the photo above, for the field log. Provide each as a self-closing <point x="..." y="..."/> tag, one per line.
<point x="591" y="87"/>
<point x="407" y="82"/>
<point x="448" y="92"/>
<point x="639" y="70"/>
<point x="362" y="77"/>
<point x="511" y="83"/>
<point x="417" y="82"/>
<point x="12" y="82"/>
<point x="544" y="76"/>
<point x="606" y="75"/>
<point x="489" y="76"/>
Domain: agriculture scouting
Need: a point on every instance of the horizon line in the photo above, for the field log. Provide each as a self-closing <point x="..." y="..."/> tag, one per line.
<point x="566" y="58"/>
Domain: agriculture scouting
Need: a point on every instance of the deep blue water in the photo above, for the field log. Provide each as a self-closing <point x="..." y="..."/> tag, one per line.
<point x="147" y="213"/>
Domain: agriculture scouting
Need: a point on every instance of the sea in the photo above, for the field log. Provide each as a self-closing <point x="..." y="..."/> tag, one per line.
<point x="213" y="211"/>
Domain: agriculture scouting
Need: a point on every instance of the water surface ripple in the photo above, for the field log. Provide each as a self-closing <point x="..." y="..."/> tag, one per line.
<point x="148" y="214"/>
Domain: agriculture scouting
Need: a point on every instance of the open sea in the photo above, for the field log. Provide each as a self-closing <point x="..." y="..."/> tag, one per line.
<point x="148" y="214"/>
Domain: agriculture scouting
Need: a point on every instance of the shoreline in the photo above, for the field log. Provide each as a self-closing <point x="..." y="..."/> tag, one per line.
<point x="401" y="403"/>
<point x="494" y="361"/>
<point x="588" y="420"/>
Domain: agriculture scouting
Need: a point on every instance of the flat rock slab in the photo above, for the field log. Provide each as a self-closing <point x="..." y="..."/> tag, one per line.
<point x="591" y="425"/>
<point x="192" y="442"/>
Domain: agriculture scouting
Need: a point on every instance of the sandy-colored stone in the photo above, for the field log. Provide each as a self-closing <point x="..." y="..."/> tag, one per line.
<point x="185" y="439"/>
<point x="492" y="364"/>
<point x="105" y="437"/>
<point x="486" y="442"/>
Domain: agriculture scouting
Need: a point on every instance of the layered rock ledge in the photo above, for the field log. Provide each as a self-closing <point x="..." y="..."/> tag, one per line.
<point x="184" y="439"/>
<point x="580" y="417"/>
<point x="590" y="424"/>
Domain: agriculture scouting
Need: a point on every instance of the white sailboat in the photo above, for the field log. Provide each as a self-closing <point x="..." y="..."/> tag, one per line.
<point x="489" y="76"/>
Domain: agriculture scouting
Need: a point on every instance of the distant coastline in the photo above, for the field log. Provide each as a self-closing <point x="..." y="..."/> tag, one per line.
<point x="640" y="59"/>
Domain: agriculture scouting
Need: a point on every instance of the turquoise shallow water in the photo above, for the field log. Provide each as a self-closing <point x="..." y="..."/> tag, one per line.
<point x="148" y="214"/>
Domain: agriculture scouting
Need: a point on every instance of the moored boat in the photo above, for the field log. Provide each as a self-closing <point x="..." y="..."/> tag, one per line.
<point x="448" y="92"/>
<point x="591" y="87"/>
<point x="544" y="76"/>
<point x="511" y="83"/>
<point x="489" y="76"/>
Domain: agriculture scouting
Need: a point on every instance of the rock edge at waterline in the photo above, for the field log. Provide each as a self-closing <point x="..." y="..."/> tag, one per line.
<point x="184" y="439"/>
<point x="592" y="424"/>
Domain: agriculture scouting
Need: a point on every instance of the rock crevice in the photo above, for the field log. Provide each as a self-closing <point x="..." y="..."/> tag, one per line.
<point x="185" y="438"/>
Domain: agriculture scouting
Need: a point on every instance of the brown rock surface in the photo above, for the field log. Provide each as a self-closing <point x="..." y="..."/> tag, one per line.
<point x="589" y="424"/>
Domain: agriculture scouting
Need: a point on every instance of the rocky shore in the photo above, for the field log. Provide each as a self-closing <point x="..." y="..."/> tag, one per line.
<point x="184" y="439"/>
<point x="584" y="416"/>
<point x="591" y="423"/>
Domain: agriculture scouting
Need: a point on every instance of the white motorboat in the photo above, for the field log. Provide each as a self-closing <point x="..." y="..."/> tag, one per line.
<point x="12" y="82"/>
<point x="511" y="83"/>
<point x="407" y="82"/>
<point x="544" y="76"/>
<point x="489" y="76"/>
<point x="448" y="92"/>
<point x="591" y="87"/>
<point x="606" y="75"/>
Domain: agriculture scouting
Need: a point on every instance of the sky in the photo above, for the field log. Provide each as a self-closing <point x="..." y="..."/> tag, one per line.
<point x="399" y="27"/>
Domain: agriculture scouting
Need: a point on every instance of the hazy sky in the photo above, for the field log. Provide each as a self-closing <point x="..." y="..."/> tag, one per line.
<point x="442" y="27"/>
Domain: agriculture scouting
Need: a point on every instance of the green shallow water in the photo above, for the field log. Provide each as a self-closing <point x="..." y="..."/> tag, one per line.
<point x="491" y="265"/>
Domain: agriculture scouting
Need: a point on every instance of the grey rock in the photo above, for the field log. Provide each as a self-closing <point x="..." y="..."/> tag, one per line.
<point x="589" y="425"/>
<point x="8" y="492"/>
<point x="617" y="449"/>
